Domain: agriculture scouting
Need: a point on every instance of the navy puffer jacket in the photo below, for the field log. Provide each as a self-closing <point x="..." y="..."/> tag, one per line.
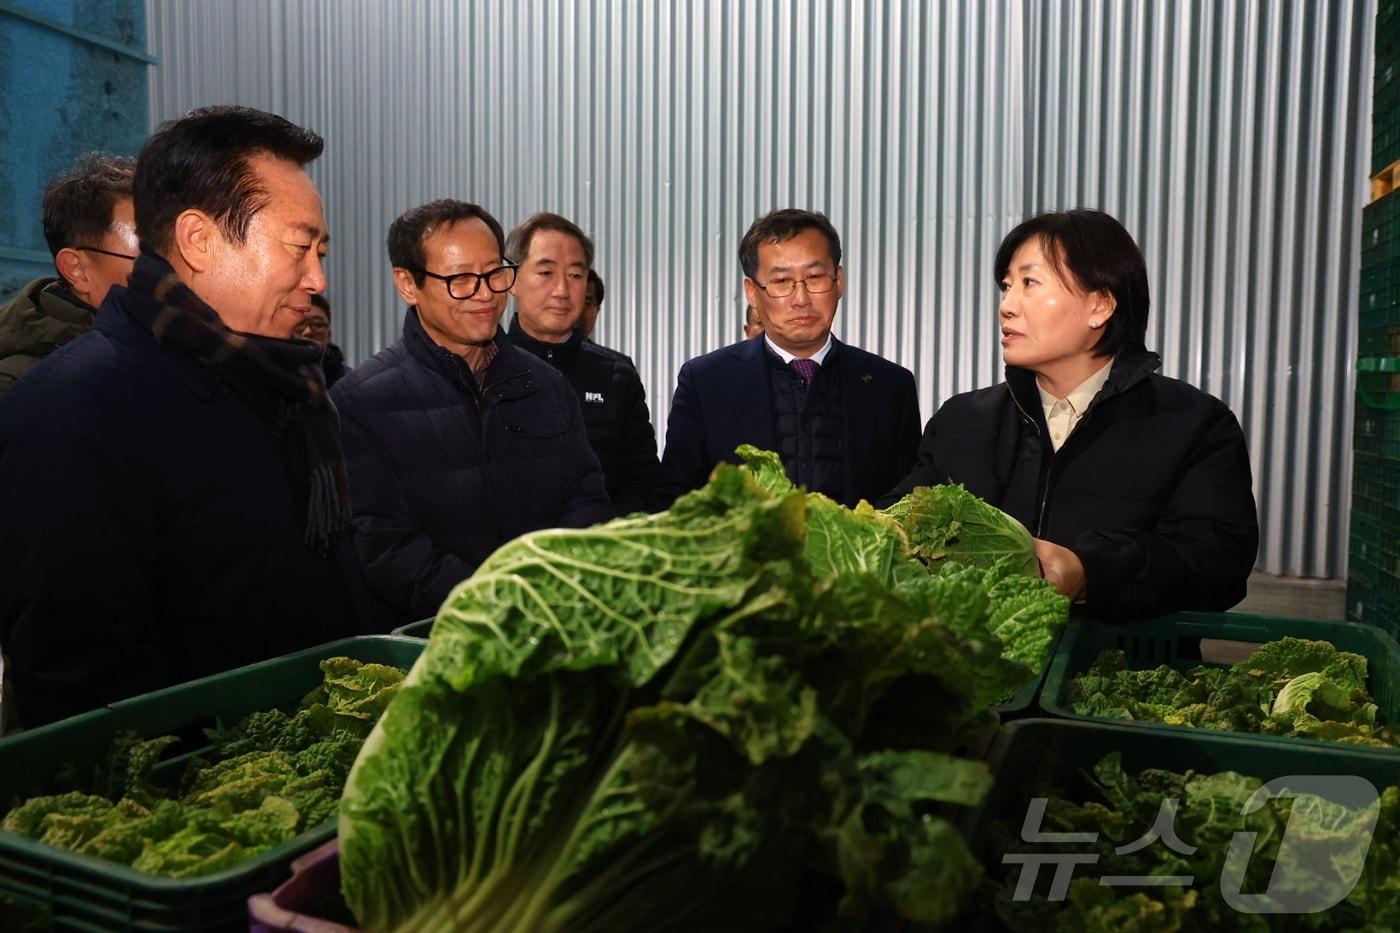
<point x="442" y="474"/>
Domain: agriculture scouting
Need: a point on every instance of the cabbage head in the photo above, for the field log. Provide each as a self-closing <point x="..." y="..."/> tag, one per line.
<point x="676" y="722"/>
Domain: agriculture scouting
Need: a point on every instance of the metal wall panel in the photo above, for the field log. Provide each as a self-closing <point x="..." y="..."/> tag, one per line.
<point x="1228" y="136"/>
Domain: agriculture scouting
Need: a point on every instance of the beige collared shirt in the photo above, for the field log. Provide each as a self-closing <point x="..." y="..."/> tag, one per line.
<point x="1062" y="415"/>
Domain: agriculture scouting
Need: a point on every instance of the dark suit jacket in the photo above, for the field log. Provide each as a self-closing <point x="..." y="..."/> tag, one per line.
<point x="723" y="400"/>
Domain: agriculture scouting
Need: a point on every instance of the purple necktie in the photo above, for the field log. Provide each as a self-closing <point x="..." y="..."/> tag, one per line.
<point x="807" y="369"/>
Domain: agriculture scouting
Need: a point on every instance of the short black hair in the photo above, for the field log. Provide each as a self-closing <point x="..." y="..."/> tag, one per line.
<point x="200" y="162"/>
<point x="413" y="226"/>
<point x="78" y="205"/>
<point x="597" y="281"/>
<point x="781" y="225"/>
<point x="320" y="300"/>
<point x="518" y="243"/>
<point x="1092" y="251"/>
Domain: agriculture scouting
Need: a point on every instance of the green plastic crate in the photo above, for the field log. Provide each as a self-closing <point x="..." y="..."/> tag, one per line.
<point x="1174" y="640"/>
<point x="1372" y="604"/>
<point x="1379" y="243"/>
<point x="1379" y="341"/>
<point x="419" y="629"/>
<point x="86" y="893"/>
<point x="1384" y="314"/>
<point x="1060" y="753"/>
<point x="1373" y="565"/>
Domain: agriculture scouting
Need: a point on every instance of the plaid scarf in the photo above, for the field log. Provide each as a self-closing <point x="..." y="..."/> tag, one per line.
<point x="287" y="368"/>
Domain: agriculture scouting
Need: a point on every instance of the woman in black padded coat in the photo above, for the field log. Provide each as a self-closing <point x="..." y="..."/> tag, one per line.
<point x="1136" y="487"/>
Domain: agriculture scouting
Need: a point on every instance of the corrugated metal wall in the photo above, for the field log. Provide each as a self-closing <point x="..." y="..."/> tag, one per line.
<point x="1229" y="136"/>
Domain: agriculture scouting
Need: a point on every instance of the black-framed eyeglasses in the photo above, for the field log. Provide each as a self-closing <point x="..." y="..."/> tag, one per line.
<point x="105" y="252"/>
<point x="465" y="284"/>
<point x="814" y="284"/>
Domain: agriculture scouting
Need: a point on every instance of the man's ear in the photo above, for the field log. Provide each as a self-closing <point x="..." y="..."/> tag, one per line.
<point x="840" y="286"/>
<point x="73" y="270"/>
<point x="408" y="289"/>
<point x="196" y="239"/>
<point x="751" y="291"/>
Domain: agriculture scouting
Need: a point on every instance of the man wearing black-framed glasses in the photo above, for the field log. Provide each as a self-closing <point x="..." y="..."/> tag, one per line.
<point x="456" y="440"/>
<point x="842" y="420"/>
<point x="90" y="228"/>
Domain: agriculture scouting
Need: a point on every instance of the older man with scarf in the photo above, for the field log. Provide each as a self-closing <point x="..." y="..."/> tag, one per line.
<point x="172" y="484"/>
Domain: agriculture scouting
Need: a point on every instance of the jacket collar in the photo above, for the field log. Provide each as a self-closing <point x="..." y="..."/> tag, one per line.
<point x="115" y="319"/>
<point x="757" y="349"/>
<point x="1129" y="368"/>
<point x="507" y="365"/>
<point x="56" y="300"/>
<point x="552" y="352"/>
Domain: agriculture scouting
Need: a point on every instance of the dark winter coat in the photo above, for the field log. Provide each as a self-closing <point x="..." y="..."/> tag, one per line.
<point x="333" y="364"/>
<point x="808" y="424"/>
<point x="43" y="316"/>
<point x="1151" y="490"/>
<point x="614" y="412"/>
<point x="723" y="399"/>
<point x="153" y="536"/>
<point x="443" y="473"/>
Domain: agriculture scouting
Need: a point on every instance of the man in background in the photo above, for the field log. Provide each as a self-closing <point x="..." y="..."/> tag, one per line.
<point x="555" y="258"/>
<point x="844" y="421"/>
<point x="592" y="304"/>
<point x="317" y="329"/>
<point x="171" y="479"/>
<point x="91" y="231"/>
<point x="752" y="328"/>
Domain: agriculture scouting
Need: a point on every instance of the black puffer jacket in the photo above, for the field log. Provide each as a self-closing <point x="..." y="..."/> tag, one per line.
<point x="441" y="473"/>
<point x="1152" y="490"/>
<point x="614" y="411"/>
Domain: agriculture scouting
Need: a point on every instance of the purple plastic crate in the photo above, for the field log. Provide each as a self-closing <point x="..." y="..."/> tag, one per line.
<point x="315" y="880"/>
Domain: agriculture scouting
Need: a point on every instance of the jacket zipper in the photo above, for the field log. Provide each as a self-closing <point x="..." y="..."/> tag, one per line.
<point x="1050" y="470"/>
<point x="1045" y="498"/>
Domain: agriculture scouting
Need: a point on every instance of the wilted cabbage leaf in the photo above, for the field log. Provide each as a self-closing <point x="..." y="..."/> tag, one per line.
<point x="948" y="523"/>
<point x="1296" y="687"/>
<point x="1333" y="850"/>
<point x="276" y="775"/>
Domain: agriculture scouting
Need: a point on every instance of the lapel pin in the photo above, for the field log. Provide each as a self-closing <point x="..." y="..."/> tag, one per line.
<point x="867" y="378"/>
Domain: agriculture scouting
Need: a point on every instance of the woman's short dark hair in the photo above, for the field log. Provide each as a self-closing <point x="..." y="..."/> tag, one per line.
<point x="597" y="282"/>
<point x="1091" y="251"/>
<point x="78" y="205"/>
<point x="779" y="227"/>
<point x="519" y="240"/>
<point x="413" y="226"/>
<point x="200" y="162"/>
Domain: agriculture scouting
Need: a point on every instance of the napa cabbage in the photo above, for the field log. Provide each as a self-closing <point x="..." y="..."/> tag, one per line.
<point x="688" y="721"/>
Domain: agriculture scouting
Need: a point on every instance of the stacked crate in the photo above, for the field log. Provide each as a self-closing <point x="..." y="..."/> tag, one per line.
<point x="1373" y="586"/>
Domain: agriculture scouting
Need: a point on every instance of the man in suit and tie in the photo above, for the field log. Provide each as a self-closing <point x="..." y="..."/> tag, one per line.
<point x="844" y="421"/>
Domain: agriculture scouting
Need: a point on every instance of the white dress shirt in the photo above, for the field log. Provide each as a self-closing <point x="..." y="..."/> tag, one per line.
<point x="789" y="357"/>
